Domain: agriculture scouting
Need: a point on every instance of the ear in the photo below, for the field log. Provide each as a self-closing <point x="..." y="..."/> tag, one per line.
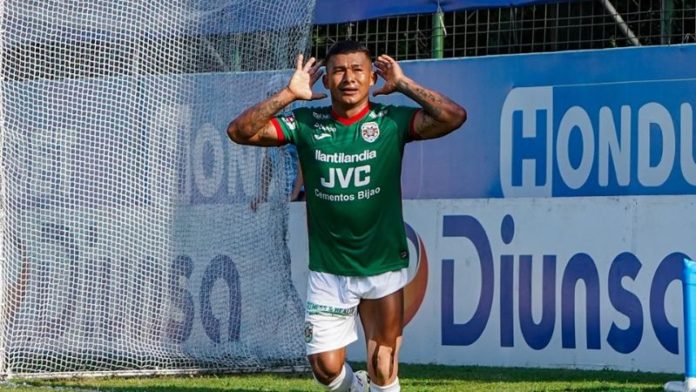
<point x="325" y="80"/>
<point x="373" y="78"/>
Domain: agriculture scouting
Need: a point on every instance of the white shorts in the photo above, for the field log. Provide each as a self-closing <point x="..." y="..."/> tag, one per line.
<point x="332" y="305"/>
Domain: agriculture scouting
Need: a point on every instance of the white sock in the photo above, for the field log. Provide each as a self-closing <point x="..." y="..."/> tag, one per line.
<point x="341" y="383"/>
<point x="393" y="387"/>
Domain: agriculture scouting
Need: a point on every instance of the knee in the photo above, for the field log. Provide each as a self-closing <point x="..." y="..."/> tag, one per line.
<point x="325" y="371"/>
<point x="384" y="365"/>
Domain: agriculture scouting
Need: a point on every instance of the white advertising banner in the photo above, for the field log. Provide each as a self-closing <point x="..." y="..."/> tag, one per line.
<point x="584" y="282"/>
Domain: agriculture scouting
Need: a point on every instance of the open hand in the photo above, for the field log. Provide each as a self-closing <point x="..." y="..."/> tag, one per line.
<point x="389" y="70"/>
<point x="304" y="78"/>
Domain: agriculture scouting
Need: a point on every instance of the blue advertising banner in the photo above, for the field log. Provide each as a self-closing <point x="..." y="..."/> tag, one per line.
<point x="590" y="123"/>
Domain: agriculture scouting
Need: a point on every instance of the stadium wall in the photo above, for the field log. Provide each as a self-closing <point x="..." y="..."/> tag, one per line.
<point x="555" y="222"/>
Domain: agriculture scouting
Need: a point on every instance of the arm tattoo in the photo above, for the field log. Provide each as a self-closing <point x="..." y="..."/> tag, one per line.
<point x="253" y="119"/>
<point x="430" y="101"/>
<point x="441" y="115"/>
<point x="267" y="109"/>
<point x="427" y="122"/>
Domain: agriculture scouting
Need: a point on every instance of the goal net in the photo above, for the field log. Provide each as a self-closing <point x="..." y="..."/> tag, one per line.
<point x="135" y="237"/>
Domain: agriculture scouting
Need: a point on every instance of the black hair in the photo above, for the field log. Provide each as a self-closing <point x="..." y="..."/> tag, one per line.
<point x="347" y="46"/>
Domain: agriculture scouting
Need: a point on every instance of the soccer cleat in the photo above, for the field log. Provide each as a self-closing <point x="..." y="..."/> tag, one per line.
<point x="361" y="382"/>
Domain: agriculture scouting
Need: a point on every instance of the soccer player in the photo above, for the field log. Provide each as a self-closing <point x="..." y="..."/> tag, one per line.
<point x="350" y="154"/>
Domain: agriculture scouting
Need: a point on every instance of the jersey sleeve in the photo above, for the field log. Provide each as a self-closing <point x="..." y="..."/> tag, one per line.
<point x="286" y="126"/>
<point x="405" y="116"/>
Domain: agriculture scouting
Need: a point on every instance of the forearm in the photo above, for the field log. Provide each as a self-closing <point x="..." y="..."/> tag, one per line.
<point x="256" y="118"/>
<point x="434" y="104"/>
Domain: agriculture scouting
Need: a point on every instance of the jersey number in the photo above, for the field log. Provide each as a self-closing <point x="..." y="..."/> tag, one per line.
<point x="359" y="176"/>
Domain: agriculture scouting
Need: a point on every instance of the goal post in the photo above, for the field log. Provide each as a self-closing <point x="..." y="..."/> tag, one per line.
<point x="689" y="292"/>
<point x="128" y="241"/>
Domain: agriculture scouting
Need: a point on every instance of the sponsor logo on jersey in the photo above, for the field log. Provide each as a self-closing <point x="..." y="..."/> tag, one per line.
<point x="369" y="131"/>
<point x="341" y="157"/>
<point x="289" y="120"/>
<point x="321" y="116"/>
<point x="322" y="136"/>
<point x="379" y="114"/>
<point x="326" y="131"/>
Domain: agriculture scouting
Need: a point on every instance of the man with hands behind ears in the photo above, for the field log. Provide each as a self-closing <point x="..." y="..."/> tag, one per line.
<point x="351" y="157"/>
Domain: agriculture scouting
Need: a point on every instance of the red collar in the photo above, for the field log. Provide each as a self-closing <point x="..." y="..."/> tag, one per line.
<point x="353" y="119"/>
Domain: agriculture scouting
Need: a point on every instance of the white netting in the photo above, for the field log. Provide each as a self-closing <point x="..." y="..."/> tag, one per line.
<point x="127" y="233"/>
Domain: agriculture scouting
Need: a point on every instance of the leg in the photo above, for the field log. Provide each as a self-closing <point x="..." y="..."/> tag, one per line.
<point x="330" y="326"/>
<point x="382" y="320"/>
<point x="328" y="365"/>
<point x="334" y="374"/>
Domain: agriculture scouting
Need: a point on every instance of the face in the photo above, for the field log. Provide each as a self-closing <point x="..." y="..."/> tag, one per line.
<point x="348" y="78"/>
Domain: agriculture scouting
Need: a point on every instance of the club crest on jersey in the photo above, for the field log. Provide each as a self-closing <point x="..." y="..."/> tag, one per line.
<point x="369" y="131"/>
<point x="289" y="120"/>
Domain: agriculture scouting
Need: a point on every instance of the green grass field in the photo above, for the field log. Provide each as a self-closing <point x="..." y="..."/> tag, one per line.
<point x="413" y="378"/>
